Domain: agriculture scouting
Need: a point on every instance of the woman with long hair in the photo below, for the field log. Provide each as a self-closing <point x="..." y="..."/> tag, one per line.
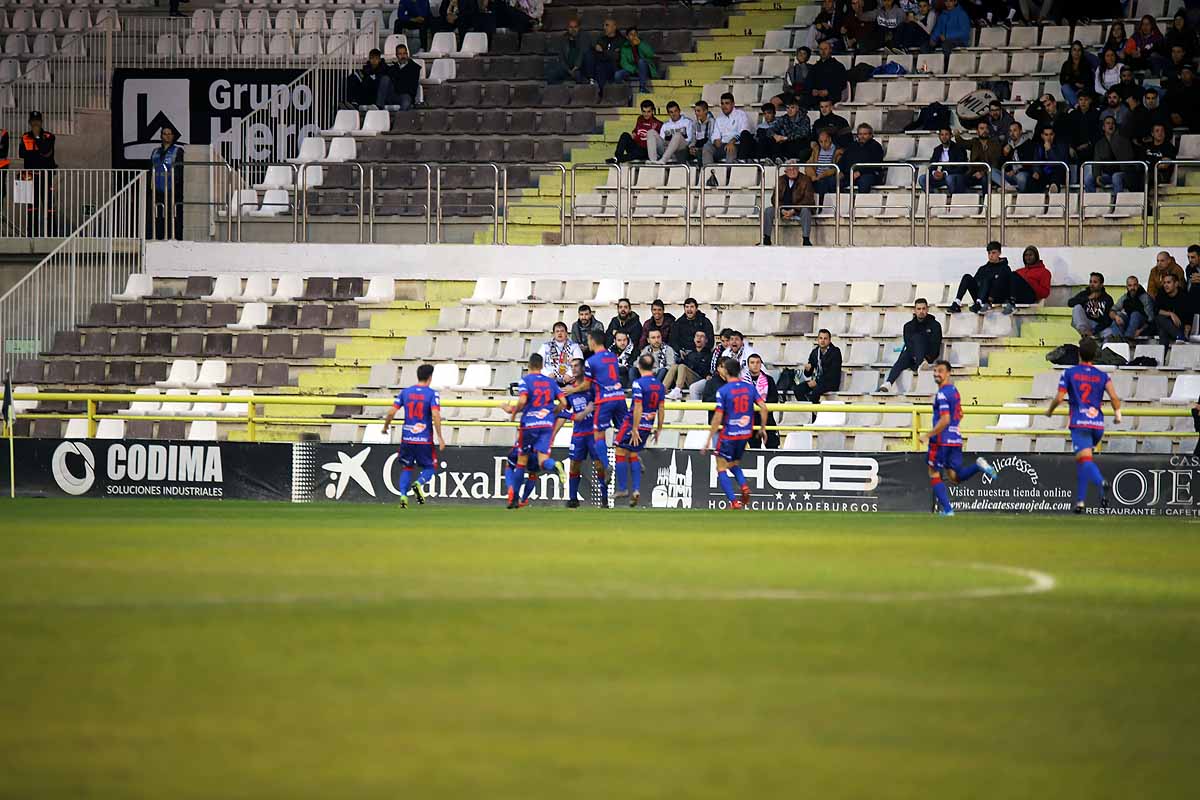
<point x="1077" y="74"/>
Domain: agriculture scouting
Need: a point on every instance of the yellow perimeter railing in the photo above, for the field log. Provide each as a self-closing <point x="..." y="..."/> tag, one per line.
<point x="255" y="404"/>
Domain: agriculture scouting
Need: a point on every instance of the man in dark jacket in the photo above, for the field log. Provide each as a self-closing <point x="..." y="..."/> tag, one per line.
<point x="415" y="15"/>
<point x="37" y="155"/>
<point x="659" y="321"/>
<point x="985" y="149"/>
<point x="694" y="364"/>
<point x="1089" y="308"/>
<point x="626" y="320"/>
<point x="683" y="332"/>
<point x="822" y="373"/>
<point x="863" y="150"/>
<point x="947" y="150"/>
<point x="570" y="56"/>
<point x="1083" y="122"/>
<point x="1132" y="312"/>
<point x="922" y="344"/>
<point x="990" y="285"/>
<point x="827" y="77"/>
<point x="399" y="86"/>
<point x="362" y="87"/>
<point x="1174" y="312"/>
<point x="1183" y="99"/>
<point x="1112" y="146"/>
<point x="585" y="325"/>
<point x="606" y="53"/>
<point x="827" y="118"/>
<point x="1192" y="279"/>
<point x="1048" y="113"/>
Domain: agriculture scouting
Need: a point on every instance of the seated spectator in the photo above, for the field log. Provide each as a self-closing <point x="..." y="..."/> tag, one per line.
<point x="521" y="16"/>
<point x="683" y="331"/>
<point x="837" y="125"/>
<point x="1115" y="40"/>
<point x="414" y="15"/>
<point x="699" y="388"/>
<point x="999" y="119"/>
<point x="1137" y="124"/>
<point x="732" y="140"/>
<point x="1108" y="74"/>
<point x="1132" y="312"/>
<point x="1113" y="107"/>
<point x="865" y="150"/>
<point x="1048" y="113"/>
<point x="790" y="134"/>
<point x="1112" y="146"/>
<point x="889" y="19"/>
<point x="821" y="374"/>
<point x="991" y="285"/>
<point x="571" y="56"/>
<point x="626" y="320"/>
<point x="740" y="350"/>
<point x="768" y="392"/>
<point x="1034" y="14"/>
<point x="764" y="143"/>
<point x="858" y="29"/>
<point x="362" y="87"/>
<point x="399" y="85"/>
<point x="1017" y="148"/>
<point x="557" y="355"/>
<point x="455" y="16"/>
<point x="795" y="82"/>
<point x="1177" y="57"/>
<point x="1192" y="280"/>
<point x="1146" y="49"/>
<point x="1089" y="308"/>
<point x="1043" y="177"/>
<point x="484" y="19"/>
<point x="663" y="355"/>
<point x="606" y="54"/>
<point x="1127" y="85"/>
<point x="922" y="345"/>
<point x="796" y="198"/>
<point x="986" y="150"/>
<point x="659" y="321"/>
<point x="918" y="25"/>
<point x="949" y="178"/>
<point x="1152" y="100"/>
<point x="1031" y="283"/>
<point x="1174" y="312"/>
<point x="1183" y="100"/>
<point x="632" y="146"/>
<point x="625" y="349"/>
<point x="637" y="59"/>
<point x="700" y="142"/>
<point x="1077" y="74"/>
<point x="826" y="26"/>
<point x="953" y="30"/>
<point x="1164" y="265"/>
<point x="827" y="77"/>
<point x="585" y="325"/>
<point x="1180" y="34"/>
<point x="824" y="156"/>
<point x="1084" y="126"/>
<point x="693" y="364"/>
<point x="669" y="144"/>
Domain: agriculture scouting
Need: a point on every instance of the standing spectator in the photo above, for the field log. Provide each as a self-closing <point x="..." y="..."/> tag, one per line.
<point x="1173" y="320"/>
<point x="741" y="350"/>
<point x="362" y="87"/>
<point x="669" y="144"/>
<point x="1077" y="74"/>
<point x="1108" y="74"/>
<point x="693" y="364"/>
<point x="698" y="388"/>
<point x="37" y="156"/>
<point x="1193" y="275"/>
<point x="791" y="132"/>
<point x="952" y="30"/>
<point x="764" y="142"/>
<point x="166" y="163"/>
<point x="659" y="321"/>
<point x="700" y="142"/>
<point x="837" y="125"/>
<point x="990" y="285"/>
<point x="1019" y="148"/>
<point x="400" y="83"/>
<point x="626" y="320"/>
<point x="985" y="149"/>
<point x="663" y="355"/>
<point x="922" y="344"/>
<point x="764" y="384"/>
<point x="827" y="77"/>
<point x="1112" y="146"/>
<point x="557" y="355"/>
<point x="637" y="58"/>
<point x="1042" y="177"/>
<point x="607" y="53"/>
<point x="1089" y="308"/>
<point x="1183" y="99"/>
<point x="5" y="161"/>
<point x="824" y="156"/>
<point x="795" y="82"/>
<point x="683" y="331"/>
<point x="632" y="146"/>
<point x="571" y="56"/>
<point x="1164" y="265"/>
<point x="821" y="374"/>
<point x="1132" y="312"/>
<point x="796" y="198"/>
<point x="732" y="140"/>
<point x="940" y="177"/>
<point x="414" y="15"/>
<point x="585" y="325"/>
<point x="864" y="150"/>
<point x="625" y="350"/>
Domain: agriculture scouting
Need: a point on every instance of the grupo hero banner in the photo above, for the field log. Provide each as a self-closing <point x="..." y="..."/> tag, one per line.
<point x="205" y="106"/>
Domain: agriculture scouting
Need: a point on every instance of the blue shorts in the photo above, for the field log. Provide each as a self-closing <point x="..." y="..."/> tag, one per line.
<point x="610" y="413"/>
<point x="418" y="454"/>
<point x="945" y="457"/>
<point x="731" y="449"/>
<point x="1085" y="438"/>
<point x="624" y="440"/>
<point x="583" y="447"/>
<point x="536" y="440"/>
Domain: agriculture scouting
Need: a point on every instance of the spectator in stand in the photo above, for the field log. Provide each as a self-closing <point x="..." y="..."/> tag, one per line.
<point x="571" y="56"/>
<point x="889" y="19"/>
<point x="1146" y="49"/>
<point x="399" y="85"/>
<point x="484" y="17"/>
<point x="1137" y="124"/>
<point x="585" y="325"/>
<point x="1034" y="14"/>
<point x="821" y="374"/>
<point x="1173" y="319"/>
<point x="740" y="350"/>
<point x="837" y="125"/>
<point x="795" y="82"/>
<point x="827" y="77"/>
<point x="1048" y="113"/>
<point x="1177" y="57"/>
<point x="796" y="199"/>
<point x="1181" y="35"/>
<point x="663" y="355"/>
<point x="953" y="30"/>
<point x="632" y="146"/>
<point x="985" y="149"/>
<point x="858" y="29"/>
<point x="764" y="384"/>
<point x="1108" y="74"/>
<point x="1112" y="146"/>
<point x="824" y="156"/>
<point x="700" y="142"/>
<point x="1164" y="265"/>
<point x="692" y="365"/>
<point x="626" y="320"/>
<point x="1084" y="126"/>
<point x="1113" y="107"/>
<point x="1049" y="178"/>
<point x="414" y="15"/>
<point x="625" y="349"/>
<point x="1115" y="41"/>
<point x="521" y="16"/>
<point x="558" y="353"/>
<point x="991" y="285"/>
<point x="791" y="132"/>
<point x="949" y="178"/>
<point x="826" y="25"/>
<point x="999" y="119"/>
<point x="637" y="59"/>
<point x="1077" y="74"/>
<point x="362" y="87"/>
<point x="1127" y="85"/>
<point x="764" y="142"/>
<point x="1031" y="283"/>
<point x="698" y="389"/>
<point x="606" y="53"/>
<point x="683" y="331"/>
<point x="1017" y="147"/>
<point x="1152" y="100"/>
<point x="659" y="321"/>
<point x="865" y="150"/>
<point x="919" y="22"/>
<point x="1193" y="275"/>
<point x="166" y="165"/>
<point x="922" y="345"/>
<point x="1089" y="308"/>
<point x="732" y="140"/>
<point x="1183" y="99"/>
<point x="1132" y="312"/>
<point x="669" y="144"/>
<point x="455" y="16"/>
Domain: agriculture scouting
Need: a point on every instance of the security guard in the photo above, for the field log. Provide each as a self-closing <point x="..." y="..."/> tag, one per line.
<point x="37" y="155"/>
<point x="166" y="164"/>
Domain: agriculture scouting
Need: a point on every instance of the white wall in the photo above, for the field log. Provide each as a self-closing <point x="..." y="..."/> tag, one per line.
<point x="467" y="262"/>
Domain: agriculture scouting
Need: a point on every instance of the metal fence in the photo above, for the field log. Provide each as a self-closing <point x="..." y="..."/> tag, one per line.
<point x="43" y="204"/>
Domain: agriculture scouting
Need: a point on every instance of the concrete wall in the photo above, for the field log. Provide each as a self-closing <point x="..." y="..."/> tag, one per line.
<point x="91" y="146"/>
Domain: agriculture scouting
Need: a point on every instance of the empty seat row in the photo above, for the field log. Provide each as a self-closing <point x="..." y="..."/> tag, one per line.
<point x="51" y="20"/>
<point x="193" y="45"/>
<point x="217" y="315"/>
<point x="43" y="45"/>
<point x="498" y="94"/>
<point x="651" y="16"/>
<point x="548" y="122"/>
<point x="226" y="288"/>
<point x="163" y="430"/>
<point x="288" y="20"/>
<point x="134" y="343"/>
<point x="37" y="70"/>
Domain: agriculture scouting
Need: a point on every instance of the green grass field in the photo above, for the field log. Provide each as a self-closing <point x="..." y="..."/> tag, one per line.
<point x="236" y="650"/>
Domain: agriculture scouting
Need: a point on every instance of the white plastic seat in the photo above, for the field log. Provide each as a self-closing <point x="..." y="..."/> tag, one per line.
<point x="204" y="430"/>
<point x="798" y="440"/>
<point x="144" y="407"/>
<point x="277" y="177"/>
<point x="137" y="286"/>
<point x="230" y="20"/>
<point x="1012" y="422"/>
<point x="110" y="429"/>
<point x="312" y="149"/>
<point x="253" y="315"/>
<point x="487" y="291"/>
<point x="242" y="202"/>
<point x="202" y="19"/>
<point x="373" y="434"/>
<point x="474" y="44"/>
<point x="443" y="44"/>
<point x="252" y="45"/>
<point x="442" y="70"/>
<point x="225" y="288"/>
<point x="341" y="149"/>
<point x="445" y="376"/>
<point x="516" y="290"/>
<point x="76" y="429"/>
<point x="476" y="377"/>
<point x="79" y="20"/>
<point x="374" y="122"/>
<point x="274" y="203"/>
<point x="380" y="289"/>
<point x="310" y="45"/>
<point x="183" y="372"/>
<point x="315" y="20"/>
<point x="212" y="373"/>
<point x="258" y="287"/>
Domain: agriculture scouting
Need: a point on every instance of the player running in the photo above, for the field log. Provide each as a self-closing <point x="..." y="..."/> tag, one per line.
<point x="734" y="418"/>
<point x="602" y="371"/>
<point x="579" y="410"/>
<point x="422" y="419"/>
<point x="1084" y="387"/>
<point x="538" y="403"/>
<point x="646" y="414"/>
<point x="945" y="442"/>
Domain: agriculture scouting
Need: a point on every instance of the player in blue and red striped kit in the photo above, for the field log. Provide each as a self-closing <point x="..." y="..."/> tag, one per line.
<point x="1084" y="387"/>
<point x="602" y="381"/>
<point x="538" y="403"/>
<point x="734" y="418"/>
<point x="945" y="442"/>
<point x="645" y="416"/>
<point x="580" y="410"/>
<point x="422" y="419"/>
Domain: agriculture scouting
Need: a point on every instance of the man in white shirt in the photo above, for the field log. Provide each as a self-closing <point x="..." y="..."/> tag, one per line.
<point x="741" y="350"/>
<point x="675" y="137"/>
<point x="557" y="355"/>
<point x="732" y="138"/>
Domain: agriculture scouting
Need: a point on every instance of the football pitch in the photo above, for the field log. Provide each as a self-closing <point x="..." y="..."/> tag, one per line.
<point x="186" y="649"/>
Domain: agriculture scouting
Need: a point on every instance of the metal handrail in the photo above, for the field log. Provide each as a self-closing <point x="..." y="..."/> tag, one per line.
<point x="302" y="190"/>
<point x="1145" y="194"/>
<point x="215" y="201"/>
<point x="495" y="195"/>
<point x="428" y="195"/>
<point x="912" y="202"/>
<point x="562" y="196"/>
<point x="837" y="193"/>
<point x="987" y="190"/>
<point x="1066" y="206"/>
<point x="594" y="166"/>
<point x="630" y="188"/>
<point x="762" y="191"/>
<point x="1158" y="204"/>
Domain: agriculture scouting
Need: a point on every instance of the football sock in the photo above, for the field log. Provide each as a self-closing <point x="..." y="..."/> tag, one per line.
<point x="635" y="467"/>
<point x="527" y="488"/>
<point x="518" y="479"/>
<point x="1086" y="472"/>
<point x="602" y="450"/>
<point x="622" y="474"/>
<point x="573" y="487"/>
<point x="737" y="475"/>
<point x="602" y="479"/>
<point x="967" y="472"/>
<point x="726" y="485"/>
<point x="940" y="492"/>
<point x="549" y="465"/>
<point x="426" y="475"/>
<point x="406" y="479"/>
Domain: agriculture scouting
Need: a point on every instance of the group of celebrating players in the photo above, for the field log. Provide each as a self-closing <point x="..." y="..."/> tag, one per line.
<point x="594" y="401"/>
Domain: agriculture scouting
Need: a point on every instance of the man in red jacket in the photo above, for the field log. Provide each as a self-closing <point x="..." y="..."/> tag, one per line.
<point x="632" y="147"/>
<point x="1034" y="283"/>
